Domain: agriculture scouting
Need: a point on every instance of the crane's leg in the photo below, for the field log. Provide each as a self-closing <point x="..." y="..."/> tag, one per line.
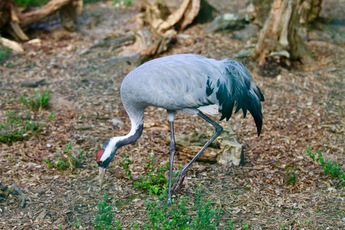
<point x="171" y="117"/>
<point x="219" y="129"/>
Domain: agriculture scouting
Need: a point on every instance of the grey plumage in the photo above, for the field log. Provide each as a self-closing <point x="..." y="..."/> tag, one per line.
<point x="184" y="82"/>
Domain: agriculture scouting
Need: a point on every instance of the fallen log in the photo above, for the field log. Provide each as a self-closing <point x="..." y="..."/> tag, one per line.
<point x="14" y="21"/>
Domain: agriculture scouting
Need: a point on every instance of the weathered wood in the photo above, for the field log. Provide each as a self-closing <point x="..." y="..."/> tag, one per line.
<point x="14" y="21"/>
<point x="280" y="34"/>
<point x="156" y="15"/>
<point x="5" y="12"/>
<point x="191" y="13"/>
<point x="310" y="10"/>
<point x="261" y="11"/>
<point x="16" y="31"/>
<point x="160" y="26"/>
<point x="69" y="14"/>
<point x="174" y="18"/>
<point x="14" y="46"/>
<point x="52" y="6"/>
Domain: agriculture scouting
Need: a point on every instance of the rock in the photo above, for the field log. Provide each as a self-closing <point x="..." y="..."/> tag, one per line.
<point x="233" y="151"/>
<point x="226" y="22"/>
<point x="226" y="151"/>
<point x="250" y="31"/>
<point x="246" y="52"/>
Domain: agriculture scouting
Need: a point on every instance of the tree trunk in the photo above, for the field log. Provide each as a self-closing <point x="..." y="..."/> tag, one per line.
<point x="261" y="11"/>
<point x="280" y="37"/>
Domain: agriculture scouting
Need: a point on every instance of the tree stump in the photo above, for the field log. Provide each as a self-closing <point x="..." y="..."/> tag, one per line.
<point x="160" y="24"/>
<point x="280" y="37"/>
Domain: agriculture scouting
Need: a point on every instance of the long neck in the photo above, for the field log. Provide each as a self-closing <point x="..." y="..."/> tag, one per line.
<point x="137" y="126"/>
<point x="132" y="136"/>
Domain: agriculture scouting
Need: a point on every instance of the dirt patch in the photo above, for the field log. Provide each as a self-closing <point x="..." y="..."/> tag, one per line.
<point x="304" y="107"/>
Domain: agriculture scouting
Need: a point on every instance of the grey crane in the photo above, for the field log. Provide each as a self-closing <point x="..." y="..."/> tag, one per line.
<point x="187" y="82"/>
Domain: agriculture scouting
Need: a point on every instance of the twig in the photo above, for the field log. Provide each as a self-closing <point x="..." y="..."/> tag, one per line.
<point x="15" y="187"/>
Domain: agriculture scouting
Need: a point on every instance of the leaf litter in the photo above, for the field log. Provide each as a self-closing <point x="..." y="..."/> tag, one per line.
<point x="304" y="107"/>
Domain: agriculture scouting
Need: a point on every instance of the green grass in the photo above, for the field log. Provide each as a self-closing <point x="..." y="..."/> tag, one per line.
<point x="123" y="2"/>
<point x="154" y="180"/>
<point x="30" y="2"/>
<point x="291" y="176"/>
<point x="17" y="127"/>
<point x="40" y="100"/>
<point x="66" y="159"/>
<point x="4" y="53"/>
<point x="185" y="213"/>
<point x="104" y="218"/>
<point x="200" y="215"/>
<point x="330" y="168"/>
<point x="125" y="163"/>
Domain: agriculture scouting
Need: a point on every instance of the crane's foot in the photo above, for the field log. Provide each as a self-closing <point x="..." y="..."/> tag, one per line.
<point x="178" y="182"/>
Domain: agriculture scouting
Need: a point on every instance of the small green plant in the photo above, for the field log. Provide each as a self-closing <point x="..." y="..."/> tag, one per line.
<point x="291" y="176"/>
<point x="91" y="1"/>
<point x="77" y="224"/>
<point x="123" y="2"/>
<point x="51" y="116"/>
<point x="40" y="100"/>
<point x="30" y="2"/>
<point x="4" y="53"/>
<point x="207" y="217"/>
<point x="49" y="163"/>
<point x="154" y="181"/>
<point x="245" y="226"/>
<point x="104" y="218"/>
<point x="66" y="159"/>
<point x="230" y="226"/>
<point x="330" y="168"/>
<point x="61" y="164"/>
<point x="282" y="227"/>
<point x="74" y="161"/>
<point x="17" y="127"/>
<point x="125" y="163"/>
<point x="202" y="215"/>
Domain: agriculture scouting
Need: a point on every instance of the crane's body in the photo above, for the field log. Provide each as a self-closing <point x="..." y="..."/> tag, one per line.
<point x="184" y="82"/>
<point x="188" y="81"/>
<point x="158" y="81"/>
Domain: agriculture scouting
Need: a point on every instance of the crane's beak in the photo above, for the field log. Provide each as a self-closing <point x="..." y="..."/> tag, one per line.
<point x="101" y="176"/>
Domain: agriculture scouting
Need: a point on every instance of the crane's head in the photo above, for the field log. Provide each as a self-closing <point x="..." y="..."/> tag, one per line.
<point x="105" y="155"/>
<point x="109" y="148"/>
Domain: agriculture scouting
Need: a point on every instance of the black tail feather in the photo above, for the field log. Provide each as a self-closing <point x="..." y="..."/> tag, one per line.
<point x="255" y="109"/>
<point x="250" y="101"/>
<point x="243" y="94"/>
